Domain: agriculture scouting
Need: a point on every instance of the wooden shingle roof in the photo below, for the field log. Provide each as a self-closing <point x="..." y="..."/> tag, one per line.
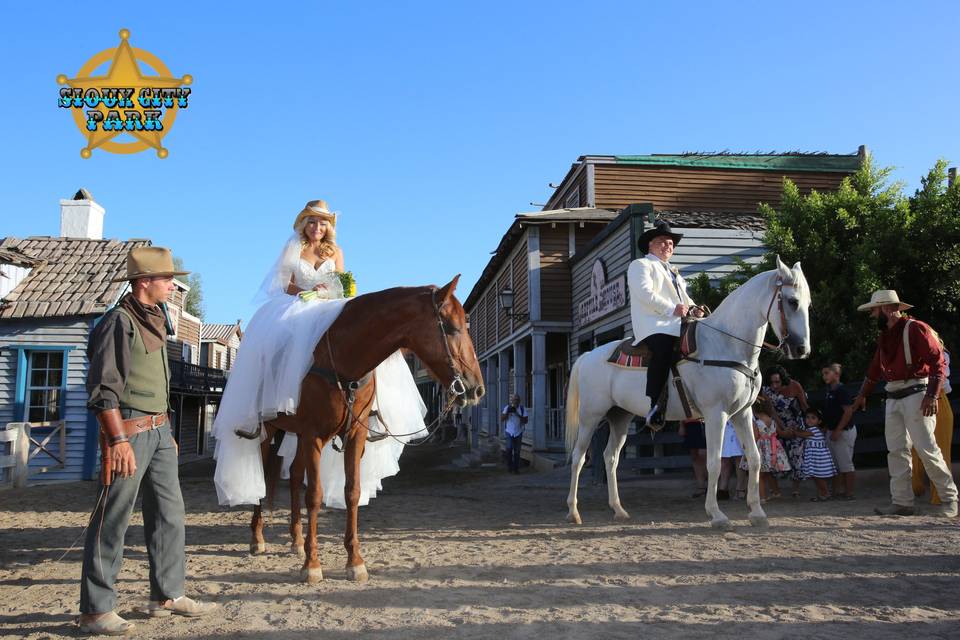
<point x="219" y="332"/>
<point x="72" y="276"/>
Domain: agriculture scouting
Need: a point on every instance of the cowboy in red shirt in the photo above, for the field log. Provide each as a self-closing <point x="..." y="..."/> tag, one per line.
<point x="910" y="359"/>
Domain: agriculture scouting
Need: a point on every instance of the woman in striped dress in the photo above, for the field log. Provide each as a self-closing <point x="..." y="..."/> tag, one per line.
<point x="817" y="459"/>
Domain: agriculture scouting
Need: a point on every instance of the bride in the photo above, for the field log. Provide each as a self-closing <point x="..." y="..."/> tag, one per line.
<point x="275" y="355"/>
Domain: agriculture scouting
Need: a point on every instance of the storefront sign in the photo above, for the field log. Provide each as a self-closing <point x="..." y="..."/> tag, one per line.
<point x="604" y="296"/>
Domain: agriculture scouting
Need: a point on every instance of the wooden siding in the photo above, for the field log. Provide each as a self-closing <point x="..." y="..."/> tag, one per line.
<point x="490" y="331"/>
<point x="67" y="331"/>
<point x="554" y="272"/>
<point x="521" y="287"/>
<point x="697" y="189"/>
<point x="577" y="185"/>
<point x="188" y="331"/>
<point x="583" y="235"/>
<point x="503" y="322"/>
<point x="478" y="323"/>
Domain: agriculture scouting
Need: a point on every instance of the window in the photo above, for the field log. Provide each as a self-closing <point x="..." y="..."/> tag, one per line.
<point x="45" y="386"/>
<point x="219" y="360"/>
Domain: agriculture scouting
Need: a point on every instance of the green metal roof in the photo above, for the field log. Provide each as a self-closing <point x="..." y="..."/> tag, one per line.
<point x="784" y="162"/>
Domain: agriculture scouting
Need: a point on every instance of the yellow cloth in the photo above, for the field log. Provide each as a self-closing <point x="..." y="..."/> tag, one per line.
<point x="943" y="434"/>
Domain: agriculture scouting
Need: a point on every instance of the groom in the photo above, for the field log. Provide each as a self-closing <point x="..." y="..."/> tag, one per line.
<point x="658" y="301"/>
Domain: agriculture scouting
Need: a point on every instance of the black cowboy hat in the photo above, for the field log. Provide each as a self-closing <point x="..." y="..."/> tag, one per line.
<point x="660" y="228"/>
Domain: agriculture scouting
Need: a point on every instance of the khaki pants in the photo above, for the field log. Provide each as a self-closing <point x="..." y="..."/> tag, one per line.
<point x="904" y="425"/>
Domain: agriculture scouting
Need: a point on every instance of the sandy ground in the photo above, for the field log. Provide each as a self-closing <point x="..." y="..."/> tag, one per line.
<point x="456" y="553"/>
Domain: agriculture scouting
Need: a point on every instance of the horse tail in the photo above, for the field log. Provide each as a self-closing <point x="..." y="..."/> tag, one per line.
<point x="573" y="407"/>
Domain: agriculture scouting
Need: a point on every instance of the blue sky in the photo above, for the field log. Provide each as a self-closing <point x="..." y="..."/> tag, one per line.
<point x="429" y="125"/>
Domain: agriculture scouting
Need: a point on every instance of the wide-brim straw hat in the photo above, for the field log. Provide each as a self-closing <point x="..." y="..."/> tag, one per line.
<point x="882" y="297"/>
<point x="149" y="262"/>
<point x="316" y="208"/>
<point x="660" y="228"/>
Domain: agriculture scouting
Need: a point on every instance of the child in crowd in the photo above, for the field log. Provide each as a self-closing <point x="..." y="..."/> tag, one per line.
<point x="773" y="457"/>
<point x="817" y="459"/>
<point x="730" y="460"/>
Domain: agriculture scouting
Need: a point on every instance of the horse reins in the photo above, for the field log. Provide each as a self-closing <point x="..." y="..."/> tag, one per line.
<point x="456" y="389"/>
<point x="784" y="328"/>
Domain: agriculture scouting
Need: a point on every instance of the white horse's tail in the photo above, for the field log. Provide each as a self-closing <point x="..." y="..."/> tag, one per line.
<point x="573" y="407"/>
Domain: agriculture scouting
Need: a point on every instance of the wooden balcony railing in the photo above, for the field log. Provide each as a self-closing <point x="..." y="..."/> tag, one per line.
<point x="191" y="377"/>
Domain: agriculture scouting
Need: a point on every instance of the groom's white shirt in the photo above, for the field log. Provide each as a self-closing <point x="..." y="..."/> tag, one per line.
<point x="653" y="297"/>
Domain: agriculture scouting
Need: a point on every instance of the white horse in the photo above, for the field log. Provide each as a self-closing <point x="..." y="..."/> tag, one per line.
<point x="717" y="391"/>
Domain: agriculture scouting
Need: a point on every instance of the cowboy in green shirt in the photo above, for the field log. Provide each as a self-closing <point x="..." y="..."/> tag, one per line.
<point x="128" y="382"/>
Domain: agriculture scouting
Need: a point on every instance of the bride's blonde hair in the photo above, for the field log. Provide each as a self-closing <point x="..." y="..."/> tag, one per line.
<point x="328" y="246"/>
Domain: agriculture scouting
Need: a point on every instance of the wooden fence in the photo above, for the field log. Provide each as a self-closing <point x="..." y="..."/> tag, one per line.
<point x="14" y="464"/>
<point x="23" y="447"/>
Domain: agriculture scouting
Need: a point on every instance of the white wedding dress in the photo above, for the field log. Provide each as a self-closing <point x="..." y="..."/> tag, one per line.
<point x="275" y="354"/>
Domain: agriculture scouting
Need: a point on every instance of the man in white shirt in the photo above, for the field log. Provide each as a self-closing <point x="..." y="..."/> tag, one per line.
<point x="658" y="301"/>
<point x="515" y="415"/>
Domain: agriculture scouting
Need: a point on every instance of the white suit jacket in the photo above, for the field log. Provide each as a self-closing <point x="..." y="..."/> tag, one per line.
<point x="653" y="297"/>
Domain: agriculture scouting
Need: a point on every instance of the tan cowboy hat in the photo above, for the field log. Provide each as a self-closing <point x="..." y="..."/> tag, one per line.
<point x="882" y="297"/>
<point x="317" y="208"/>
<point x="149" y="262"/>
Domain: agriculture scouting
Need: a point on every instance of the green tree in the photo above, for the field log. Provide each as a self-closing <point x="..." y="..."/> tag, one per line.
<point x="193" y="304"/>
<point x="864" y="236"/>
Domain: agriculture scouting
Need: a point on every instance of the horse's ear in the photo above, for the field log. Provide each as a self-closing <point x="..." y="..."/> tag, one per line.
<point x="447" y="291"/>
<point x="783" y="271"/>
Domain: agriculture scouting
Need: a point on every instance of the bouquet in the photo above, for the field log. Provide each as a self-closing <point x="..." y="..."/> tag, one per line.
<point x="338" y="284"/>
<point x="348" y="283"/>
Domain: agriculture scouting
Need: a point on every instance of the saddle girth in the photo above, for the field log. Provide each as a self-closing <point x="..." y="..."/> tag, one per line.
<point x="349" y="389"/>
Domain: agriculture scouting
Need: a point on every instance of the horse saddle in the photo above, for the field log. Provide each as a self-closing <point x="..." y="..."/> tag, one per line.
<point x="628" y="356"/>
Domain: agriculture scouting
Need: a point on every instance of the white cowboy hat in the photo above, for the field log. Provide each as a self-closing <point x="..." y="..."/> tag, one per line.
<point x="882" y="297"/>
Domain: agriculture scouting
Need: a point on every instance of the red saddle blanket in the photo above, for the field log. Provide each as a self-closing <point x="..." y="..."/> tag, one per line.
<point x="637" y="357"/>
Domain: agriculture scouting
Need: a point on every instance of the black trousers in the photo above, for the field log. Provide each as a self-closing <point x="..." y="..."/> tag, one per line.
<point x="661" y="347"/>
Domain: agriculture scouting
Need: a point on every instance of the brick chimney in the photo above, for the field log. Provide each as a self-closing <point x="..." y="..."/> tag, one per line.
<point x="81" y="217"/>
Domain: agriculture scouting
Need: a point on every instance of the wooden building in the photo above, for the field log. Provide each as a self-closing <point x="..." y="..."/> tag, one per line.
<point x="564" y="268"/>
<point x="56" y="289"/>
<point x="219" y="344"/>
<point x="525" y="351"/>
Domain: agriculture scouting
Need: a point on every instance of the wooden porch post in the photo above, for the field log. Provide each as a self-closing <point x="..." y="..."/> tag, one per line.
<point x="538" y="399"/>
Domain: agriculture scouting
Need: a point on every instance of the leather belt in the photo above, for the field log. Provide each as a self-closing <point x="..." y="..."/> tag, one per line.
<point x="906" y="391"/>
<point x="133" y="426"/>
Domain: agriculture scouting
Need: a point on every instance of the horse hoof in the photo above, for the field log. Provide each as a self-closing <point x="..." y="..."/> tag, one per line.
<point x="620" y="516"/>
<point x="297" y="550"/>
<point x="357" y="573"/>
<point x="312" y="576"/>
<point x="257" y="548"/>
<point x="574" y="518"/>
<point x="759" y="522"/>
<point x="723" y="524"/>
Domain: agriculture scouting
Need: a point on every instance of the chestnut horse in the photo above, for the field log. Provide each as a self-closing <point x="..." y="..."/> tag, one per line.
<point x="428" y="321"/>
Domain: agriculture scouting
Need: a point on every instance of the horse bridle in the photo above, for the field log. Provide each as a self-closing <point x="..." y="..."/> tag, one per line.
<point x="349" y="389"/>
<point x="784" y="327"/>
<point x="457" y="388"/>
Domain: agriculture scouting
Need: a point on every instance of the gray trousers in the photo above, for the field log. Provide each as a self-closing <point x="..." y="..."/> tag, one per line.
<point x="163" y="525"/>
